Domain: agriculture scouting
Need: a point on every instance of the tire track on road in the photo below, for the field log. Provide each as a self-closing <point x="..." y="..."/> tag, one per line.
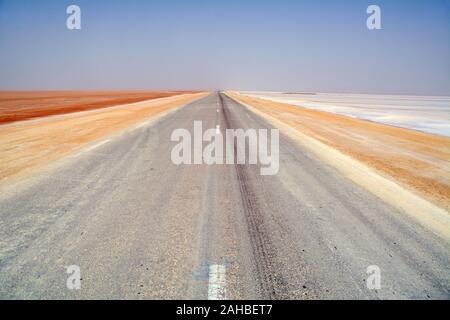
<point x="271" y="282"/>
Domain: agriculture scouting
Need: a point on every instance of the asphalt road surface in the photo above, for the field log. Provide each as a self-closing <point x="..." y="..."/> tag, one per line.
<point x="140" y="227"/>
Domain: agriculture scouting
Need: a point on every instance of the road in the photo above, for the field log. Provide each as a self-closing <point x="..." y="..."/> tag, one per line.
<point x="140" y="227"/>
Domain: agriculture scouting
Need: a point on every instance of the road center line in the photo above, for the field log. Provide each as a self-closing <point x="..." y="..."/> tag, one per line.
<point x="217" y="282"/>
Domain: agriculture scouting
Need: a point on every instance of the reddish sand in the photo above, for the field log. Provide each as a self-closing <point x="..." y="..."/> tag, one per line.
<point x="26" y="146"/>
<point x="418" y="161"/>
<point x="22" y="105"/>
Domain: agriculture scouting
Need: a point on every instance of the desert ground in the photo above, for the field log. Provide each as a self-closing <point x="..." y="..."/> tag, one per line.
<point x="417" y="160"/>
<point x="98" y="189"/>
<point x="22" y="105"/>
<point x="429" y="114"/>
<point x="28" y="145"/>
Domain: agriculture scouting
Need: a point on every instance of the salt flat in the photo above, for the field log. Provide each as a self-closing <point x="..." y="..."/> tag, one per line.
<point x="429" y="114"/>
<point x="416" y="160"/>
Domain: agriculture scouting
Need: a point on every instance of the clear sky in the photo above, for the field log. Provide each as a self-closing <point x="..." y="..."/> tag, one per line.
<point x="227" y="44"/>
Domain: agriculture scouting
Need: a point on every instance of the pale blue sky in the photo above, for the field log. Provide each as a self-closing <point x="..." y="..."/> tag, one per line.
<point x="234" y="44"/>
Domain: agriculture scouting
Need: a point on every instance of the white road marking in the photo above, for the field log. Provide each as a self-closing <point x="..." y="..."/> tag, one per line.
<point x="96" y="145"/>
<point x="217" y="110"/>
<point x="142" y="125"/>
<point x="217" y="282"/>
<point x="217" y="129"/>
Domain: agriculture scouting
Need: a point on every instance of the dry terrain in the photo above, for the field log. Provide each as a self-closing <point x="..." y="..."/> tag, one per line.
<point x="22" y="105"/>
<point x="139" y="226"/>
<point x="418" y="161"/>
<point x="27" y="145"/>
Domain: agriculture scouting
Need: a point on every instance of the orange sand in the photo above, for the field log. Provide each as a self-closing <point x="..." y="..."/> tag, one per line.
<point x="22" y="105"/>
<point x="28" y="145"/>
<point x="418" y="161"/>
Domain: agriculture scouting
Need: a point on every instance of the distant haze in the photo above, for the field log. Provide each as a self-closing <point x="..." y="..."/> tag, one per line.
<point x="308" y="46"/>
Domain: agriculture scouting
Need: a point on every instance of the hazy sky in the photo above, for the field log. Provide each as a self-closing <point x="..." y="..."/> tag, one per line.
<point x="229" y="44"/>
